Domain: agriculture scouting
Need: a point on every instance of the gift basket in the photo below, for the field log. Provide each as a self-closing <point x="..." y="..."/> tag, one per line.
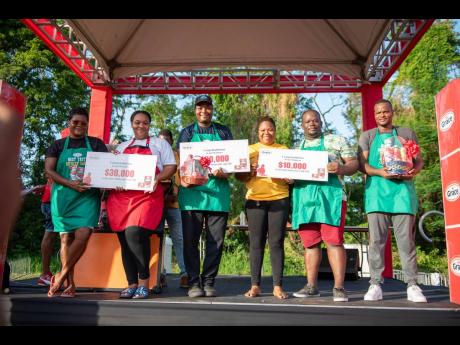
<point x="195" y="171"/>
<point x="398" y="156"/>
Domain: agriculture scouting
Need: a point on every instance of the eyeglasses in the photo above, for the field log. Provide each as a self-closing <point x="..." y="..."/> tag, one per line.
<point x="81" y="123"/>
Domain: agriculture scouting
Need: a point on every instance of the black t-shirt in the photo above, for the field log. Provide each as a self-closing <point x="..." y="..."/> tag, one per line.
<point x="58" y="146"/>
<point x="187" y="133"/>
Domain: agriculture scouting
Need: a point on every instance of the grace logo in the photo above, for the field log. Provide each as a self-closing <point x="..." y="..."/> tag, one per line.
<point x="447" y="120"/>
<point x="455" y="266"/>
<point x="453" y="191"/>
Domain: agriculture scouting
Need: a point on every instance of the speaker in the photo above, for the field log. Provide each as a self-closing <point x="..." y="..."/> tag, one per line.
<point x="351" y="269"/>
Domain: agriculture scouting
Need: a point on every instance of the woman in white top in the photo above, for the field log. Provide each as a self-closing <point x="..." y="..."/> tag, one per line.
<point x="134" y="215"/>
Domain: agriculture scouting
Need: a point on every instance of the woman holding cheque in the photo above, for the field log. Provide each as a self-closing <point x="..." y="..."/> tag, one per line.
<point x="74" y="206"/>
<point x="133" y="214"/>
<point x="267" y="209"/>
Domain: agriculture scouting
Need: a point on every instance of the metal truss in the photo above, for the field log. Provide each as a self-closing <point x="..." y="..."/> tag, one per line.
<point x="245" y="80"/>
<point x="61" y="39"/>
<point x="398" y="42"/>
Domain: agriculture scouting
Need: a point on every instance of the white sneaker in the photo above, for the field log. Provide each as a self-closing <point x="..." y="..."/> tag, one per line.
<point x="415" y="294"/>
<point x="374" y="293"/>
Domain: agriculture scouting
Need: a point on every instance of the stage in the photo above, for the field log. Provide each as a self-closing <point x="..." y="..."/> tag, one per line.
<point x="29" y="305"/>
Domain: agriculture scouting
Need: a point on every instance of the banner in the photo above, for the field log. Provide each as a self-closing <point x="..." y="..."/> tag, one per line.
<point x="448" y="121"/>
<point x="108" y="170"/>
<point x="230" y="155"/>
<point x="293" y="164"/>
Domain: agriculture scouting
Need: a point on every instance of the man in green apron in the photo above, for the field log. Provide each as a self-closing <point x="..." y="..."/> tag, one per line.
<point x="209" y="204"/>
<point x="389" y="199"/>
<point x="319" y="208"/>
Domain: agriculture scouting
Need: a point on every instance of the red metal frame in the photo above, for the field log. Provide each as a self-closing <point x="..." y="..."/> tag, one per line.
<point x="408" y="46"/>
<point x="47" y="31"/>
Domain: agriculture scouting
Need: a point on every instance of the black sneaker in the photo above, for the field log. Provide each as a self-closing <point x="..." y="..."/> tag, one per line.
<point x="195" y="291"/>
<point x="307" y="291"/>
<point x="210" y="291"/>
<point x="339" y="295"/>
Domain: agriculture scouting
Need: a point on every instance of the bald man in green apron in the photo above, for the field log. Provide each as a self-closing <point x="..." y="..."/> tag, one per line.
<point x="209" y="203"/>
<point x="319" y="208"/>
<point x="389" y="199"/>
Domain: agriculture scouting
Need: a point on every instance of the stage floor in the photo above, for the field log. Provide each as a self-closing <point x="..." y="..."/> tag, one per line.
<point x="29" y="305"/>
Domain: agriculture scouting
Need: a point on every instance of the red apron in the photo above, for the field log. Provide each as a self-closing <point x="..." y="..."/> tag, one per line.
<point x="134" y="207"/>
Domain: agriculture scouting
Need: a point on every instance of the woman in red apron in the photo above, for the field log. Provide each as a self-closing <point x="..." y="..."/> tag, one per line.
<point x="134" y="215"/>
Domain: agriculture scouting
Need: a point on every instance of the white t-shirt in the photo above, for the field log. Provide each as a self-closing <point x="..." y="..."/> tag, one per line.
<point x="159" y="147"/>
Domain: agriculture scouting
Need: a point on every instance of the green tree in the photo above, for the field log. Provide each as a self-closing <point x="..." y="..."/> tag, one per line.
<point x="52" y="89"/>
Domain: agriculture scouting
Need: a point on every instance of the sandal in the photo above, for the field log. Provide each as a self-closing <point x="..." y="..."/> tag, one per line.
<point x="280" y="294"/>
<point x="128" y="293"/>
<point x="69" y="292"/>
<point x="141" y="293"/>
<point x="253" y="292"/>
<point x="52" y="292"/>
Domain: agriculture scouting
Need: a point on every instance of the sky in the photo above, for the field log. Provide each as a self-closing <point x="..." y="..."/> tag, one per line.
<point x="325" y="102"/>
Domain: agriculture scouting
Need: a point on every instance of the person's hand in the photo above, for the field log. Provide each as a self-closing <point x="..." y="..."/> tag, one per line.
<point x="253" y="171"/>
<point x="384" y="172"/>
<point x="120" y="189"/>
<point x="79" y="186"/>
<point x="38" y="189"/>
<point x="334" y="168"/>
<point x="116" y="152"/>
<point x="155" y="184"/>
<point x="219" y="173"/>
<point x="288" y="180"/>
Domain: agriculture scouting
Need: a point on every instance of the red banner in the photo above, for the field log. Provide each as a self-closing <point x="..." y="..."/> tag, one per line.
<point x="448" y="120"/>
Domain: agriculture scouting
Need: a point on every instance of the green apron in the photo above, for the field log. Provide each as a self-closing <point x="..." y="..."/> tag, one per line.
<point x="212" y="196"/>
<point x="387" y="195"/>
<point x="71" y="210"/>
<point x="317" y="202"/>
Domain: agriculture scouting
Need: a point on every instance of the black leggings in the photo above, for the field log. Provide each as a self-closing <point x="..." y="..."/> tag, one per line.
<point x="135" y="253"/>
<point x="267" y="217"/>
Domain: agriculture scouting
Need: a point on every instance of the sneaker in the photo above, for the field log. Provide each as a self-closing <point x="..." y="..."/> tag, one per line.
<point x="195" y="291"/>
<point x="184" y="282"/>
<point x="210" y="291"/>
<point x="307" y="291"/>
<point x="374" y="293"/>
<point x="339" y="295"/>
<point x="141" y="293"/>
<point x="45" y="279"/>
<point x="415" y="294"/>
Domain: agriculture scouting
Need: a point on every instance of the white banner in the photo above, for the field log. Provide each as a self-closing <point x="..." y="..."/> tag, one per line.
<point x="230" y="155"/>
<point x="293" y="164"/>
<point x="130" y="171"/>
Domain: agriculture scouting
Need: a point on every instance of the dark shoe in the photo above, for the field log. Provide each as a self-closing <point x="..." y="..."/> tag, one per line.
<point x="141" y="293"/>
<point x="163" y="282"/>
<point x="210" y="291"/>
<point x="184" y="282"/>
<point x="339" y="295"/>
<point x="195" y="291"/>
<point x="307" y="291"/>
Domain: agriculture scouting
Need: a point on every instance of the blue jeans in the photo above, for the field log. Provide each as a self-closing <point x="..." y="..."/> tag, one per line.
<point x="174" y="219"/>
<point x="46" y="211"/>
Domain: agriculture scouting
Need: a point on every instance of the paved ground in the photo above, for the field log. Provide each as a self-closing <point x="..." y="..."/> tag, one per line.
<point x="29" y="305"/>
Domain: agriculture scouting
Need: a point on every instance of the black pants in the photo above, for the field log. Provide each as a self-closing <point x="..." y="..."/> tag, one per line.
<point x="135" y="253"/>
<point x="192" y="225"/>
<point x="267" y="218"/>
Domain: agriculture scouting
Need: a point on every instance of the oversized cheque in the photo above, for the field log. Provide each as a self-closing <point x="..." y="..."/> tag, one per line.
<point x="293" y="164"/>
<point x="130" y="171"/>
